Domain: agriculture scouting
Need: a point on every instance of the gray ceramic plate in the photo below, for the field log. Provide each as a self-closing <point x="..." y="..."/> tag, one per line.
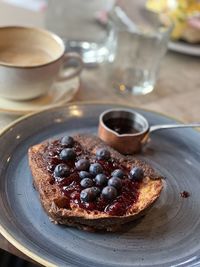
<point x="167" y="236"/>
<point x="185" y="48"/>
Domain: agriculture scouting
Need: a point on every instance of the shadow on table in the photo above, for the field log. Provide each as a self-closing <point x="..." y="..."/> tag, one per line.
<point x="9" y="260"/>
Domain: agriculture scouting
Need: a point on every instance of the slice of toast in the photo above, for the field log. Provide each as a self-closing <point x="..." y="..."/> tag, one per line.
<point x="61" y="197"/>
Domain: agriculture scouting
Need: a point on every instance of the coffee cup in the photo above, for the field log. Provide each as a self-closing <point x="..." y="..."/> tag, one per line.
<point x="31" y="60"/>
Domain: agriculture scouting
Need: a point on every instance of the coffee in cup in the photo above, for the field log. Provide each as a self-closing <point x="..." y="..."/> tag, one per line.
<point x="31" y="60"/>
<point x="20" y="56"/>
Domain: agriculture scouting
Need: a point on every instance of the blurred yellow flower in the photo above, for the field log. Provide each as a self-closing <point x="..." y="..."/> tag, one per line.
<point x="179" y="11"/>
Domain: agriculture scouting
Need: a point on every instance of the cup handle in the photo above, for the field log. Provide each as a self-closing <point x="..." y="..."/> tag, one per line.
<point x="67" y="56"/>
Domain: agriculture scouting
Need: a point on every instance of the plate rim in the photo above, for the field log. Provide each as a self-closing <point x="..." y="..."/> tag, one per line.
<point x="77" y="103"/>
<point x="3" y="231"/>
<point x="24" y="250"/>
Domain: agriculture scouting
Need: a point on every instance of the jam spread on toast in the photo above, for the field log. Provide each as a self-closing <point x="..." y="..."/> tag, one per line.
<point x="95" y="183"/>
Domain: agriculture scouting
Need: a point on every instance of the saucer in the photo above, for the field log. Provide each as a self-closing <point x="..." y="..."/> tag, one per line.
<point x="59" y="94"/>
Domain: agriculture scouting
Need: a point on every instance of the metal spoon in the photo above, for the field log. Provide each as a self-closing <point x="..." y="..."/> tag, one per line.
<point x="171" y="126"/>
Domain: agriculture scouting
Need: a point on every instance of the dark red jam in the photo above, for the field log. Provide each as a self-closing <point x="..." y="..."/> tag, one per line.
<point x="71" y="188"/>
<point x="122" y="126"/>
<point x="185" y="194"/>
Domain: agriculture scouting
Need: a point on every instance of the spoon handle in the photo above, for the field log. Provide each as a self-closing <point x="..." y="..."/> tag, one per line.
<point x="171" y="126"/>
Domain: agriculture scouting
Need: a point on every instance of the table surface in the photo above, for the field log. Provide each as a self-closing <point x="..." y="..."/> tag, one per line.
<point x="176" y="94"/>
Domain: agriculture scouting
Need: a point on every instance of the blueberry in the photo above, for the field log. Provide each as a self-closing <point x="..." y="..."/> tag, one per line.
<point x="95" y="168"/>
<point x="67" y="154"/>
<point x="96" y="191"/>
<point x="115" y="182"/>
<point x="82" y="165"/>
<point x="101" y="179"/>
<point x="67" y="141"/>
<point x="88" y="195"/>
<point x="86" y="182"/>
<point x="84" y="174"/>
<point x="136" y="174"/>
<point x="61" y="170"/>
<point x="119" y="173"/>
<point x="109" y="192"/>
<point x="103" y="154"/>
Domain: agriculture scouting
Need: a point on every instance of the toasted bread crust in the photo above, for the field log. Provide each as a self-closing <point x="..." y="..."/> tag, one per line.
<point x="53" y="200"/>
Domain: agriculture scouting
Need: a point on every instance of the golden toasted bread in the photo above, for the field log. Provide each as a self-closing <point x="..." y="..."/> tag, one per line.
<point x="61" y="196"/>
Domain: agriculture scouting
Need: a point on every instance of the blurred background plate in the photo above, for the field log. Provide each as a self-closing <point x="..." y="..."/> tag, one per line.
<point x="185" y="48"/>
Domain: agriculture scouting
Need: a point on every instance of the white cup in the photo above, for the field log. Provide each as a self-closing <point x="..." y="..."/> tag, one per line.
<point x="31" y="60"/>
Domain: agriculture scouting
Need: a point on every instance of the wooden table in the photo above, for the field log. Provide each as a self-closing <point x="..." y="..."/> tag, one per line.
<point x="177" y="94"/>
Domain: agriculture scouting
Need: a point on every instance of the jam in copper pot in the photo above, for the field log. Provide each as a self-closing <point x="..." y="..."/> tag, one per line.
<point x="122" y="125"/>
